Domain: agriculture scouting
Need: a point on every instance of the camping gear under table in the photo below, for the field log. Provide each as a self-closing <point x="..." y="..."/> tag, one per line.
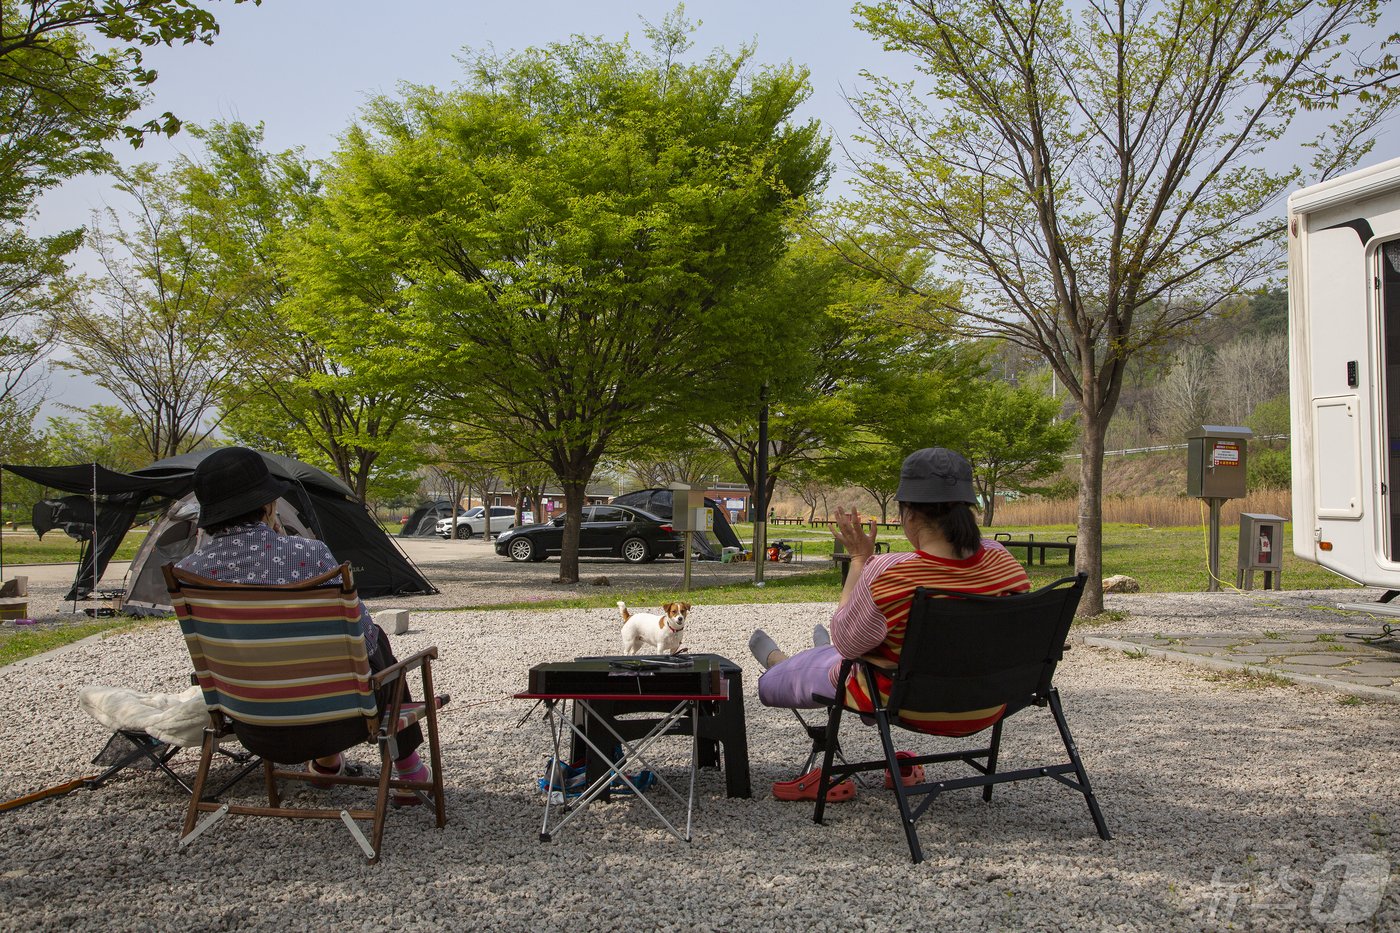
<point x="721" y="728"/>
<point x="678" y="692"/>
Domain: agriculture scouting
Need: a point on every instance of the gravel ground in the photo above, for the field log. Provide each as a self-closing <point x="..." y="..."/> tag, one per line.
<point x="1232" y="804"/>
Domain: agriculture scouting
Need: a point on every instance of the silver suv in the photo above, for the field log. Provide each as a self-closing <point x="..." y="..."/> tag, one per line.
<point x="473" y="522"/>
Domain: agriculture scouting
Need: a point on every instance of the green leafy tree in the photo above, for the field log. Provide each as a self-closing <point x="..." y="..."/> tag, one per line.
<point x="42" y="50"/>
<point x="916" y="400"/>
<point x="1091" y="173"/>
<point x="815" y="329"/>
<point x="1014" y="440"/>
<point x="62" y="98"/>
<point x="307" y="386"/>
<point x="1270" y="469"/>
<point x="567" y="229"/>
<point x="104" y="434"/>
<point x="868" y="462"/>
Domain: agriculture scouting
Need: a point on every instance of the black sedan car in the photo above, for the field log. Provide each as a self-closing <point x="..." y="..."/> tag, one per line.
<point x="608" y="530"/>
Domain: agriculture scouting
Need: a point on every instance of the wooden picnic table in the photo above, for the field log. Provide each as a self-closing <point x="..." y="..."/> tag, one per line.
<point x="823" y="522"/>
<point x="1069" y="545"/>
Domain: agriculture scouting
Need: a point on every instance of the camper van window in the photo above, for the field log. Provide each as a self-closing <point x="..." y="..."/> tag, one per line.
<point x="1389" y="300"/>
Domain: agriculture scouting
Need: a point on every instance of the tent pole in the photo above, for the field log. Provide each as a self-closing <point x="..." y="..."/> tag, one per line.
<point x="94" y="529"/>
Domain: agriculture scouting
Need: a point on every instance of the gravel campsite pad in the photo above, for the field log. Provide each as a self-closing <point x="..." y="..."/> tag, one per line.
<point x="1232" y="803"/>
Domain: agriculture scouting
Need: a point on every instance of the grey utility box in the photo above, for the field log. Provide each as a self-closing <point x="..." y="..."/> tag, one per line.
<point x="1261" y="548"/>
<point x="1216" y="458"/>
<point x="688" y="509"/>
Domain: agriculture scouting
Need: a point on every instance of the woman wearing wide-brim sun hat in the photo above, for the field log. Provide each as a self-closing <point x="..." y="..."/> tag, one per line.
<point x="936" y="501"/>
<point x="242" y="543"/>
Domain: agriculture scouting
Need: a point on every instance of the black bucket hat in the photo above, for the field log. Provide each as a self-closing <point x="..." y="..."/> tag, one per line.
<point x="233" y="481"/>
<point x="936" y="474"/>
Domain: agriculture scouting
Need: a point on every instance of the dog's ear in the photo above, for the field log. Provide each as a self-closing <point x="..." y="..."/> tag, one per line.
<point x="661" y="622"/>
<point x="685" y="607"/>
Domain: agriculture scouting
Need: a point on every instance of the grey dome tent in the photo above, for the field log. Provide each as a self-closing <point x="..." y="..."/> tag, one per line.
<point x="660" y="502"/>
<point x="323" y="508"/>
<point x="422" y="523"/>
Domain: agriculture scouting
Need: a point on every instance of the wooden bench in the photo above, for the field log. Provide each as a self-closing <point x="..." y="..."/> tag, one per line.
<point x="1031" y="545"/>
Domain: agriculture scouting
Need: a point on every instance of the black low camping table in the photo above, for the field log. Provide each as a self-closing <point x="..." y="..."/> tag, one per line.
<point x="720" y="724"/>
<point x="679" y="692"/>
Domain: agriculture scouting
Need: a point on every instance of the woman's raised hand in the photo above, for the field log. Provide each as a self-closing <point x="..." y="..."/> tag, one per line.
<point x="851" y="532"/>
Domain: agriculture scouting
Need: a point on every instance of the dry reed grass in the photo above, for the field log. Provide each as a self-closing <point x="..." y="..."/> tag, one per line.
<point x="1156" y="511"/>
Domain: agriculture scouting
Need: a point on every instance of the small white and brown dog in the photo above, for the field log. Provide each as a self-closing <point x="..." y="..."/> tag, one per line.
<point x="663" y="633"/>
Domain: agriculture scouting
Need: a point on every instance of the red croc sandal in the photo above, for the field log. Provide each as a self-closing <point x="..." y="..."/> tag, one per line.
<point x="909" y="775"/>
<point x="805" y="788"/>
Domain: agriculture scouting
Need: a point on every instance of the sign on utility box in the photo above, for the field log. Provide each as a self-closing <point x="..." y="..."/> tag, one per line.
<point x="1216" y="457"/>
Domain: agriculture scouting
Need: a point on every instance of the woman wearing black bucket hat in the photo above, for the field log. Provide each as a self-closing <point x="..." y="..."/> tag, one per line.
<point x="242" y="543"/>
<point x="936" y="498"/>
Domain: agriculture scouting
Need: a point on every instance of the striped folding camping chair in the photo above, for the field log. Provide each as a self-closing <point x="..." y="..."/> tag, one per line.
<point x="284" y="666"/>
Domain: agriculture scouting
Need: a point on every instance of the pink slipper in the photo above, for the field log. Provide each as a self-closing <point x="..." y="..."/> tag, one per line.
<point x="909" y="775"/>
<point x="805" y="788"/>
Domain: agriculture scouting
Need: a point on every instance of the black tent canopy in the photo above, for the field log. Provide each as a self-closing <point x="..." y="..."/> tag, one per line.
<point x="324" y="506"/>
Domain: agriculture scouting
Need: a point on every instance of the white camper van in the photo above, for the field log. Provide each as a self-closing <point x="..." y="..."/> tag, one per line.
<point x="1344" y="331"/>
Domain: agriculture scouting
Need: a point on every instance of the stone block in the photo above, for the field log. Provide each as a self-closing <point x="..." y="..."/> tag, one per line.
<point x="394" y="621"/>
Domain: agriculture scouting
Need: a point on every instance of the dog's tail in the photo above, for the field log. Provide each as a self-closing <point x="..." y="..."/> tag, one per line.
<point x="625" y="614"/>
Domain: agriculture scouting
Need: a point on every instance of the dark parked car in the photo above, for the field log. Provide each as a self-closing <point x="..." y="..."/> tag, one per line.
<point x="635" y="536"/>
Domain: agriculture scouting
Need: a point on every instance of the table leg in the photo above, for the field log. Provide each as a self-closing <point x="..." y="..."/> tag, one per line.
<point x="631" y="754"/>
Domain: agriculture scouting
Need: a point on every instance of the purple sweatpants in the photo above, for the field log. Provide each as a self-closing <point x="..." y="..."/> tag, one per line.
<point x="790" y="684"/>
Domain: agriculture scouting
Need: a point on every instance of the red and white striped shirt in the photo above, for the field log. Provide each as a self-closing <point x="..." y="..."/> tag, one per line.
<point x="871" y="625"/>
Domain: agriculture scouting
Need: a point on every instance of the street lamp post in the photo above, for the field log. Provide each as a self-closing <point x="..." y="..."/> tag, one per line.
<point x="760" y="519"/>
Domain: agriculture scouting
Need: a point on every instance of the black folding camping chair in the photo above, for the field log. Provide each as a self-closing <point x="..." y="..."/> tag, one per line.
<point x="965" y="653"/>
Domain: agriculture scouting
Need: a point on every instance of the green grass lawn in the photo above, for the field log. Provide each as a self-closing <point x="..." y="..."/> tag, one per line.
<point x="18" y="643"/>
<point x="24" y="547"/>
<point x="1162" y="560"/>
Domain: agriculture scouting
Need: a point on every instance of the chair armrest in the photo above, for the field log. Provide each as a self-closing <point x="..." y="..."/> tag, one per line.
<point x="394" y="670"/>
<point x="840" y="698"/>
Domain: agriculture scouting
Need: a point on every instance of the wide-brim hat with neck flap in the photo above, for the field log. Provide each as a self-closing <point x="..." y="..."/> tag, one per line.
<point x="233" y="481"/>
<point x="936" y="474"/>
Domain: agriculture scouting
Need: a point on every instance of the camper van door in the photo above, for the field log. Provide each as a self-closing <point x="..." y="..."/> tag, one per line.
<point x="1344" y="369"/>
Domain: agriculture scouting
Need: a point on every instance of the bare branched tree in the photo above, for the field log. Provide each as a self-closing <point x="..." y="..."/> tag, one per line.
<point x="1093" y="173"/>
<point x="149" y="333"/>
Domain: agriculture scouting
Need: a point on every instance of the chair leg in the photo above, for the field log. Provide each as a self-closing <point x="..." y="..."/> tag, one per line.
<point x="206" y="754"/>
<point x="434" y="754"/>
<point x="274" y="797"/>
<point x="992" y="750"/>
<point x="1085" y="788"/>
<point x="901" y="796"/>
<point x="381" y="799"/>
<point x="833" y="728"/>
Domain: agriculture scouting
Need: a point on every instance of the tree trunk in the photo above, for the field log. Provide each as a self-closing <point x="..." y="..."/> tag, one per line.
<point x="574" y="500"/>
<point x="1089" y="554"/>
<point x="989" y="509"/>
